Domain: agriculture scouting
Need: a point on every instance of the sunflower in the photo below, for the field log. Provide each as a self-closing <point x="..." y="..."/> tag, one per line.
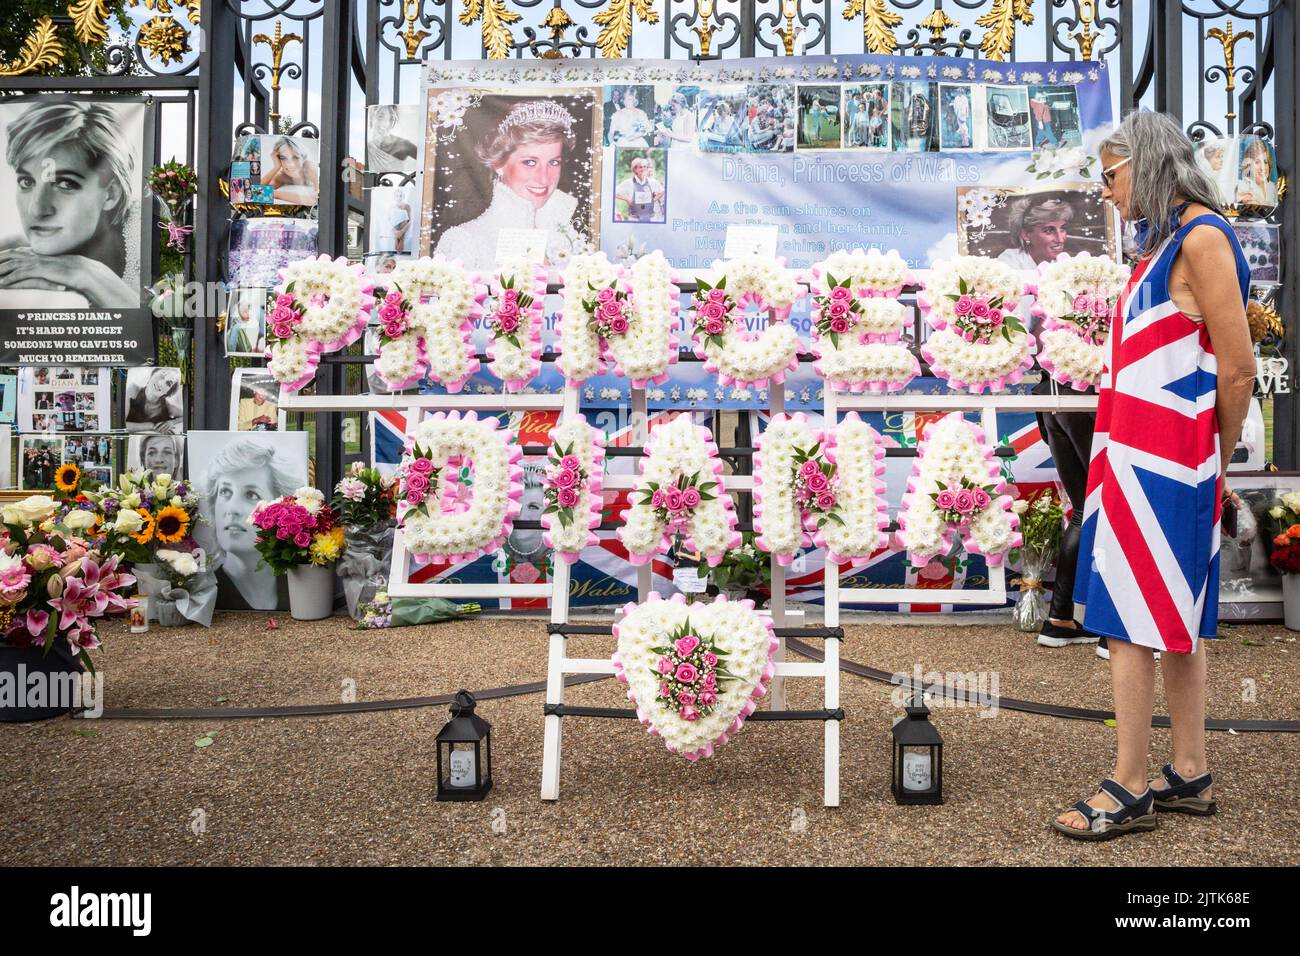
<point x="67" y="478"/>
<point x="172" y="524"/>
<point x="145" y="534"/>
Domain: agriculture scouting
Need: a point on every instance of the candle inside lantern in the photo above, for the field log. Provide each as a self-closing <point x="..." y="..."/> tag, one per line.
<point x="462" y="769"/>
<point x="916" y="770"/>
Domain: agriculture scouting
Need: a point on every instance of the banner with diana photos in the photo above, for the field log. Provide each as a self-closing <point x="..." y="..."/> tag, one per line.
<point x="933" y="158"/>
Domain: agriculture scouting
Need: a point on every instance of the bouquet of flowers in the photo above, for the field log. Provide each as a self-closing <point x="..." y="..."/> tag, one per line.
<point x="366" y="506"/>
<point x="362" y="497"/>
<point x="1284" y="529"/>
<point x="295" y="530"/>
<point x="1041" y="524"/>
<point x="182" y="585"/>
<point x="174" y="183"/>
<point x="55" y="584"/>
<point x="145" y="512"/>
<point x="962" y="503"/>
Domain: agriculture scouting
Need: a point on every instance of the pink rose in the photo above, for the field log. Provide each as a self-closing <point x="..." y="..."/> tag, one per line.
<point x="659" y="499"/>
<point x="686" y="674"/>
<point x="839" y="325"/>
<point x="389" y="313"/>
<point x="510" y="295"/>
<point x="841" y="294"/>
<point x="718" y="295"/>
<point x="1083" y="302"/>
<point x="565" y="478"/>
<point x="570" y="463"/>
<point x="945" y="500"/>
<point x="567" y="497"/>
<point x="422" y="465"/>
<point x="808" y="469"/>
<point x="826" y="500"/>
<point x="708" y="698"/>
<point x="690" y="498"/>
<point x="417" y="482"/>
<point x="689" y="713"/>
<point x="713" y="310"/>
<point x="714" y="327"/>
<point x="710" y="680"/>
<point x="605" y="295"/>
<point x="618" y="325"/>
<point x="414" y="498"/>
<point x="508" y="323"/>
<point x="393" y="329"/>
<point x="284" y="301"/>
<point x="282" y="330"/>
<point x="711" y="658"/>
<point x="964" y="502"/>
<point x="1100" y="307"/>
<point x="837" y="309"/>
<point x="982" y="498"/>
<point x="964" y="305"/>
<point x="818" y="482"/>
<point x="665" y="690"/>
<point x="302" y="539"/>
<point x="686" y="645"/>
<point x="665" y="665"/>
<point x="674" y="499"/>
<point x="980" y="309"/>
<point x="686" y="698"/>
<point x="283" y="314"/>
<point x="610" y="311"/>
<point x="995" y="316"/>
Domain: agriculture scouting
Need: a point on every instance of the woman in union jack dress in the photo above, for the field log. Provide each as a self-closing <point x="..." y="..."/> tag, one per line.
<point x="1173" y="396"/>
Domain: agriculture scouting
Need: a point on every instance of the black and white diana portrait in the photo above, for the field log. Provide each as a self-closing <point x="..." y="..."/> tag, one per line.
<point x="515" y="161"/>
<point x="155" y="400"/>
<point x="233" y="472"/>
<point x="1025" y="228"/>
<point x="392" y="138"/>
<point x="71" y="202"/>
<point x="160" y="454"/>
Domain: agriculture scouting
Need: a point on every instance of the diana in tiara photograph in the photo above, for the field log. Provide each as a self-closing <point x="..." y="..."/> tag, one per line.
<point x="516" y="163"/>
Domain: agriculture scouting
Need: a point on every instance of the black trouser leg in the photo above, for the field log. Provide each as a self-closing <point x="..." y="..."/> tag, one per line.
<point x="1069" y="436"/>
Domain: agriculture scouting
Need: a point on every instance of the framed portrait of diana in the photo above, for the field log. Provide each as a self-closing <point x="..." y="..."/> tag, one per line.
<point x="514" y="160"/>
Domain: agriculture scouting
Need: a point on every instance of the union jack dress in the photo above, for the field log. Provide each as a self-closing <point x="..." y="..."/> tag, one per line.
<point x="1149" y="547"/>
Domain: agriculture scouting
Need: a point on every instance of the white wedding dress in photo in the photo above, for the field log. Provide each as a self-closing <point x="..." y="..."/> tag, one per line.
<point x="474" y="243"/>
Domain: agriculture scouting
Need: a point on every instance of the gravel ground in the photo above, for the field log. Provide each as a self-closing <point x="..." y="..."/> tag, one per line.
<point x="357" y="788"/>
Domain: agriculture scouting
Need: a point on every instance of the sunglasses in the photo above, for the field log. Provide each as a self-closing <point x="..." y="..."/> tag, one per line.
<point x="1108" y="175"/>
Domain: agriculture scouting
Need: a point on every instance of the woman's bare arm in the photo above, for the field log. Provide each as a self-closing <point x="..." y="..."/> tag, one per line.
<point x="1211" y="276"/>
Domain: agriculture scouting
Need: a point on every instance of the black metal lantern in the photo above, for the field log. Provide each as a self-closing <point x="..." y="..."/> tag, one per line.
<point x="464" y="752"/>
<point x="916" y="770"/>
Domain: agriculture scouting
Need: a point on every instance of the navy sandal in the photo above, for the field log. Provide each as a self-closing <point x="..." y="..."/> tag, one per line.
<point x="1133" y="814"/>
<point x="1184" y="796"/>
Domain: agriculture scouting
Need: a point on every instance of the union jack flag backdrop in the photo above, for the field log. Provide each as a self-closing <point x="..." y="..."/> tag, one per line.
<point x="604" y="575"/>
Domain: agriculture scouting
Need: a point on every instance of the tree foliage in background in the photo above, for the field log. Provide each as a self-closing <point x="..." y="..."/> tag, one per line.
<point x="20" y="17"/>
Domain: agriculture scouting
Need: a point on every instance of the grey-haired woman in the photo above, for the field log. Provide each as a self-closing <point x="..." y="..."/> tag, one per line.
<point x="1174" y="393"/>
